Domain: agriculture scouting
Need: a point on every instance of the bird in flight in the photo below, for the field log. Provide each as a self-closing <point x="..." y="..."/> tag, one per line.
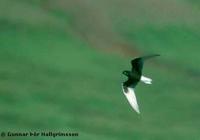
<point x="134" y="77"/>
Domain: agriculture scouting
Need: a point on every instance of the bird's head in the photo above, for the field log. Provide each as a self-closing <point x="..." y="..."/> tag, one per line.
<point x="127" y="73"/>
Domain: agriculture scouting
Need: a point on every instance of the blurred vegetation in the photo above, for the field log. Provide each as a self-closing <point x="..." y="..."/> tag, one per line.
<point x="61" y="64"/>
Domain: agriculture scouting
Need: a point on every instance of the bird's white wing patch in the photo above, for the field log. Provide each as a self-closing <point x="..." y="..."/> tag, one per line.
<point x="130" y="95"/>
<point x="146" y="80"/>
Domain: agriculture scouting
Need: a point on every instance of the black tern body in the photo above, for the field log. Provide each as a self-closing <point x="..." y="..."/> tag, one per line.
<point x="134" y="77"/>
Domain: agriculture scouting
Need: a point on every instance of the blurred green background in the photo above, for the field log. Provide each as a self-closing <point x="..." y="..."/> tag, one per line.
<point x="62" y="61"/>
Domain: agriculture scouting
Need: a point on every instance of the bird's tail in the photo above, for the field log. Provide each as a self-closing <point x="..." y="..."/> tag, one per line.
<point x="146" y="80"/>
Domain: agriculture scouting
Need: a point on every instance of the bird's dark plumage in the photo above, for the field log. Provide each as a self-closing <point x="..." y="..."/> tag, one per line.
<point x="134" y="76"/>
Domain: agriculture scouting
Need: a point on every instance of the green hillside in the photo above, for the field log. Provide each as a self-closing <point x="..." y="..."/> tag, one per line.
<point x="62" y="62"/>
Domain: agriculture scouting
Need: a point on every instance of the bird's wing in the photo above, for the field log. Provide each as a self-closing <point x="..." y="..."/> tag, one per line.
<point x="137" y="63"/>
<point x="130" y="95"/>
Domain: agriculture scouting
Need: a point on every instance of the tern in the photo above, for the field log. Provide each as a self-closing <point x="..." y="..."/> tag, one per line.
<point x="134" y="77"/>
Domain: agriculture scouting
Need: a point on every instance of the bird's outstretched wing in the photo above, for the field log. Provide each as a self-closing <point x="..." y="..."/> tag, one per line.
<point x="137" y="63"/>
<point x="130" y="95"/>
